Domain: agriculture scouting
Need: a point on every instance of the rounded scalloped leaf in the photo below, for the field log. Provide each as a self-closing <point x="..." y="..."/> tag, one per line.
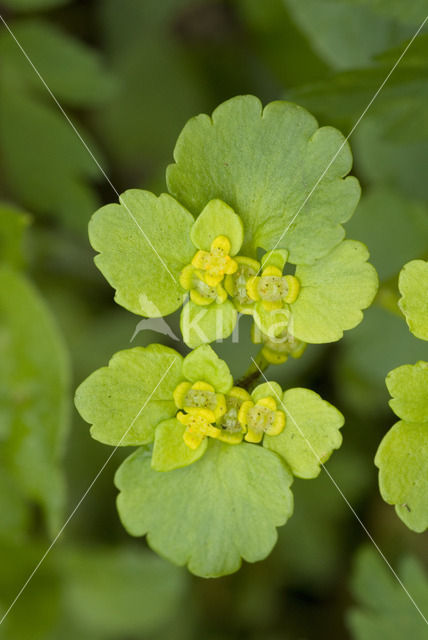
<point x="201" y="325"/>
<point x="311" y="432"/>
<point x="408" y="386"/>
<point x="402" y="459"/>
<point x="212" y="513"/>
<point x="217" y="219"/>
<point x="127" y="399"/>
<point x="333" y="293"/>
<point x="143" y="244"/>
<point x="169" y="449"/>
<point x="265" y="163"/>
<point x="204" y="364"/>
<point x="413" y="285"/>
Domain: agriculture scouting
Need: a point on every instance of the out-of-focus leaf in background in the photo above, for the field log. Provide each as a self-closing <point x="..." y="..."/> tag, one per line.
<point x="384" y="609"/>
<point x="13" y="223"/>
<point x="45" y="166"/>
<point x="31" y="5"/>
<point x="35" y="396"/>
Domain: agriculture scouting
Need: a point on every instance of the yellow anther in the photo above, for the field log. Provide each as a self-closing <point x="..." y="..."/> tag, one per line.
<point x="260" y="418"/>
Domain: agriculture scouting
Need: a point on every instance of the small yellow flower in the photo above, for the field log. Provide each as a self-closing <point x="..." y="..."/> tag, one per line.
<point x="201" y="293"/>
<point x="232" y="431"/>
<point x="199" y="395"/>
<point x="203" y="407"/>
<point x="236" y="283"/>
<point x="216" y="263"/>
<point x="260" y="418"/>
<point x="272" y="288"/>
<point x="277" y="349"/>
<point x="198" y="426"/>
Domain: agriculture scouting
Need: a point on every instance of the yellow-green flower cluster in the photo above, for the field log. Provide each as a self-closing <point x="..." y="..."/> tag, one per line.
<point x="227" y="417"/>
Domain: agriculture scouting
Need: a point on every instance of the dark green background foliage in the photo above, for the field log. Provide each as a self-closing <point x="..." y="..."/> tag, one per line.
<point x="129" y="73"/>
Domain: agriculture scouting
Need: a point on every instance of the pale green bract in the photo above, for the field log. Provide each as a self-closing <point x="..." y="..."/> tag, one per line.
<point x="333" y="292"/>
<point x="264" y="163"/>
<point x="311" y="433"/>
<point x="402" y="456"/>
<point x="149" y="246"/>
<point x="413" y="285"/>
<point x="209" y="515"/>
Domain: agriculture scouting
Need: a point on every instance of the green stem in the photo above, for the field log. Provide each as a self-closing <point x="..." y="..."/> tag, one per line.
<point x="253" y="373"/>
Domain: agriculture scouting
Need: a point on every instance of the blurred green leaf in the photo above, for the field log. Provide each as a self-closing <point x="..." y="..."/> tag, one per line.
<point x="277" y="39"/>
<point x="32" y="5"/>
<point x="40" y="145"/>
<point x="160" y="87"/>
<point x="73" y="71"/>
<point x="367" y="353"/>
<point x="384" y="609"/>
<point x="13" y="223"/>
<point x="37" y="610"/>
<point x="34" y="373"/>
<point x="334" y="30"/>
<point x="118" y="592"/>
<point x="13" y="507"/>
<point x="36" y="141"/>
<point x="320" y="501"/>
<point x="398" y="164"/>
<point x="409" y="12"/>
<point x="394" y="228"/>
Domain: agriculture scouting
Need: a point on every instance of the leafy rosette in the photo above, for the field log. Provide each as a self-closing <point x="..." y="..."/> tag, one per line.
<point x="211" y="482"/>
<point x="244" y="181"/>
